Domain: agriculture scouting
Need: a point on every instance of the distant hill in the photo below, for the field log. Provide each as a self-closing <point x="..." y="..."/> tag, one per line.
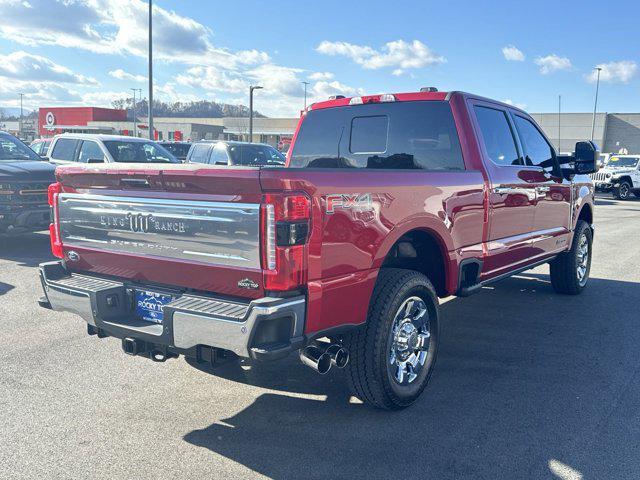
<point x="201" y="108"/>
<point x="13" y="113"/>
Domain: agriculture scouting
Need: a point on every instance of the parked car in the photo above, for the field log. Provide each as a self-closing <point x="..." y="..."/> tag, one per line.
<point x="178" y="149"/>
<point x="24" y="180"/>
<point x="620" y="176"/>
<point x="89" y="148"/>
<point x="41" y="146"/>
<point x="386" y="203"/>
<point x="235" y="153"/>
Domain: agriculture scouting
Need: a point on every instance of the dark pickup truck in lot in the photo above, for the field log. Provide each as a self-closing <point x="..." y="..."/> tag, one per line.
<point x="386" y="203"/>
<point x="24" y="180"/>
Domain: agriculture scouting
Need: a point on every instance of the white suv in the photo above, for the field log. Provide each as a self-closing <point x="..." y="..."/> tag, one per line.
<point x="620" y="176"/>
<point x="87" y="148"/>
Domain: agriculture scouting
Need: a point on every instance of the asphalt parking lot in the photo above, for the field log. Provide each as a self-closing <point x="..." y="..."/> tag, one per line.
<point x="528" y="385"/>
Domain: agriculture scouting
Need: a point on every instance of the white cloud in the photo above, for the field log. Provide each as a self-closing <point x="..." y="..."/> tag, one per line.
<point x="521" y="106"/>
<point x="25" y="66"/>
<point x="321" y="76"/>
<point x="122" y="75"/>
<point x="116" y="27"/>
<point x="119" y="27"/>
<point x="212" y="79"/>
<point x="36" y="94"/>
<point x="621" y="72"/>
<point x="513" y="53"/>
<point x="398" y="54"/>
<point x="552" y="63"/>
<point x="322" y="90"/>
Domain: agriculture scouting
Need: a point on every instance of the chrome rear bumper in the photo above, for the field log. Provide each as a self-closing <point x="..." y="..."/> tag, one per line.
<point x="253" y="329"/>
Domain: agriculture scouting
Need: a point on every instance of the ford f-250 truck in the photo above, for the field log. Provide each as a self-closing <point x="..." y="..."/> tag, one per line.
<point x="386" y="203"/>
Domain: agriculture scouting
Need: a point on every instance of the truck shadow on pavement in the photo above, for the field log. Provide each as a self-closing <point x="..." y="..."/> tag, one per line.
<point x="525" y="387"/>
<point x="29" y="249"/>
<point x="5" y="287"/>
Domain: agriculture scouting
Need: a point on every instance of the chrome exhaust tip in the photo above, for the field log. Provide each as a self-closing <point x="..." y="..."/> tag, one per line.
<point x="339" y="355"/>
<point x="316" y="358"/>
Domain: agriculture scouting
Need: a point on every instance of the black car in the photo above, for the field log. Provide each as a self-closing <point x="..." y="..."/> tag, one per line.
<point x="24" y="180"/>
<point x="178" y="149"/>
<point x="235" y="153"/>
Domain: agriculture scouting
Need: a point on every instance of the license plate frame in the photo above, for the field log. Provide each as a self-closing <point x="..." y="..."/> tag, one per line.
<point x="149" y="305"/>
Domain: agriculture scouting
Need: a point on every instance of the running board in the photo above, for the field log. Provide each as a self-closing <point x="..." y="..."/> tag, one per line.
<point x="475" y="288"/>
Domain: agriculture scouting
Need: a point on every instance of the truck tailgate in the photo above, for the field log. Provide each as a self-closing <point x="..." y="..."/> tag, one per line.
<point x="183" y="226"/>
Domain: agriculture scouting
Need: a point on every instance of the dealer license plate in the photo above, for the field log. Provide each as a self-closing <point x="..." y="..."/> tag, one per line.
<point x="150" y="305"/>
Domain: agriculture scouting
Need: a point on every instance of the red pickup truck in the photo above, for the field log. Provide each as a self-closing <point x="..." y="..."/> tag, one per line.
<point x="386" y="203"/>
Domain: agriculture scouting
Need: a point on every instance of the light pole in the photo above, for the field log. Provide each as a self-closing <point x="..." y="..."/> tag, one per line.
<point x="135" y="129"/>
<point x="595" y="106"/>
<point x="20" y="124"/>
<point x="251" y="89"/>
<point x="305" y="94"/>
<point x="151" y="133"/>
<point x="559" y="119"/>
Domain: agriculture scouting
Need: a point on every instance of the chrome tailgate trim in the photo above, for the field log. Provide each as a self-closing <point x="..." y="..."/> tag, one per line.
<point x="215" y="233"/>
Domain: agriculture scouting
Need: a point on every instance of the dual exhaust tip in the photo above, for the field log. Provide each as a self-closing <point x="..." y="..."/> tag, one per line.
<point x="321" y="356"/>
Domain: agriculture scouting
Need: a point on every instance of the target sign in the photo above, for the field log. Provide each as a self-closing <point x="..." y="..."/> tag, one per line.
<point x="50" y="119"/>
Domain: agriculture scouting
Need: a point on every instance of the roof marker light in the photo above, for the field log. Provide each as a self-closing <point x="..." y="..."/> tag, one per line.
<point x="387" y="97"/>
<point x="356" y="101"/>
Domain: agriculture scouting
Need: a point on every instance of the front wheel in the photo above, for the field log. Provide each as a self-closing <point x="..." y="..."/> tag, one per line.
<point x="570" y="270"/>
<point x="622" y="191"/>
<point x="393" y="355"/>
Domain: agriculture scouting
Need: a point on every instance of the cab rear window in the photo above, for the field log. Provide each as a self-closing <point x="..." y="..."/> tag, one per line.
<point x="402" y="135"/>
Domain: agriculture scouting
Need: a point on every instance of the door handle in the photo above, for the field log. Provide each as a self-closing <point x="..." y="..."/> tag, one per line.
<point x="528" y="192"/>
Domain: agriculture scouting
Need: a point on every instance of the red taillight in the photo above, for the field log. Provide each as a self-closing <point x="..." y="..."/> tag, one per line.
<point x="54" y="228"/>
<point x="285" y="230"/>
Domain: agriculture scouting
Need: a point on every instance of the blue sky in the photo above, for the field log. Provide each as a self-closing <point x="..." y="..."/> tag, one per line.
<point x="91" y="52"/>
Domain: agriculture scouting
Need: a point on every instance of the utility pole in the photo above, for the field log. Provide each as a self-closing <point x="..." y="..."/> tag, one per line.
<point x="251" y="89"/>
<point x="20" y="123"/>
<point x="135" y="128"/>
<point x="305" y="94"/>
<point x="151" y="132"/>
<point x="595" y="106"/>
<point x="559" y="120"/>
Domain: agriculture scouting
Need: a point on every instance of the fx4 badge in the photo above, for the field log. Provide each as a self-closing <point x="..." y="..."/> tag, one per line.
<point x="356" y="201"/>
<point x="248" y="284"/>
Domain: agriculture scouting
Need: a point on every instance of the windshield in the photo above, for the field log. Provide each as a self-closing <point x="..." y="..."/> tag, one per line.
<point x="628" y="162"/>
<point x="13" y="150"/>
<point x="138" y="152"/>
<point x="178" y="149"/>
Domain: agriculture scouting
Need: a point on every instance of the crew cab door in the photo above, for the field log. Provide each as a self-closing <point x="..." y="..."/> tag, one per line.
<point x="552" y="217"/>
<point x="511" y="197"/>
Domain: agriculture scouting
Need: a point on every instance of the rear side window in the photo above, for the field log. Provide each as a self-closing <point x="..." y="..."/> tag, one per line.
<point x="497" y="136"/>
<point x="401" y="135"/>
<point x="200" y="153"/>
<point x="64" y="149"/>
<point x="219" y="155"/>
<point x="536" y="148"/>
<point x="90" y="151"/>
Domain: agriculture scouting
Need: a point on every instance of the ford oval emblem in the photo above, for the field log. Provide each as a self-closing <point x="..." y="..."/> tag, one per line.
<point x="73" y="255"/>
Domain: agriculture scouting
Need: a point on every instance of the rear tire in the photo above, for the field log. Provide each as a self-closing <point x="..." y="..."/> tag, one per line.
<point x="393" y="354"/>
<point x="623" y="191"/>
<point x="570" y="270"/>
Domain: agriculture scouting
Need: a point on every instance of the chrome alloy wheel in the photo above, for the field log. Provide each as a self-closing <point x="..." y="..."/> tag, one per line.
<point x="409" y="341"/>
<point x="582" y="263"/>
